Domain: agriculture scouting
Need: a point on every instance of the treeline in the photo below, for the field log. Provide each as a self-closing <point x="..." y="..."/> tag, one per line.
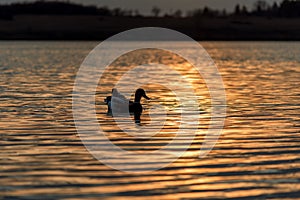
<point x="51" y="8"/>
<point x="287" y="8"/>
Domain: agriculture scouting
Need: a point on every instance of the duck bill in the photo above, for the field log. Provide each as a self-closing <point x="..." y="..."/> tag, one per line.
<point x="146" y="97"/>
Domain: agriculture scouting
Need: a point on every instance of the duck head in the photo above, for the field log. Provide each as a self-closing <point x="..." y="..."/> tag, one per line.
<point x="139" y="93"/>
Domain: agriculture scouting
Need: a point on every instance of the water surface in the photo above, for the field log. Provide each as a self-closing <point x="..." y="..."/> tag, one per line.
<point x="256" y="157"/>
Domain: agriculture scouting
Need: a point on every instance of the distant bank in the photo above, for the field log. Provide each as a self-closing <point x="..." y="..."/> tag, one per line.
<point x="55" y="20"/>
<point x="92" y="27"/>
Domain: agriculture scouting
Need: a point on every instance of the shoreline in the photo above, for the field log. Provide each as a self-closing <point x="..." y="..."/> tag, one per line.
<point x="95" y="28"/>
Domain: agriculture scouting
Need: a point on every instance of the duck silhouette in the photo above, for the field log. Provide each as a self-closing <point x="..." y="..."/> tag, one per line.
<point x="134" y="107"/>
<point x="118" y="98"/>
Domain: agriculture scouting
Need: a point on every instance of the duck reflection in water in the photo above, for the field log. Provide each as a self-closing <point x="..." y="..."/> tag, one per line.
<point x="134" y="107"/>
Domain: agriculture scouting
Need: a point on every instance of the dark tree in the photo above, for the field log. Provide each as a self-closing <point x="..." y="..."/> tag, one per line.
<point x="137" y="13"/>
<point x="177" y="14"/>
<point x="224" y="13"/>
<point x="206" y="11"/>
<point x="155" y="11"/>
<point x="117" y="12"/>
<point x="275" y="6"/>
<point x="290" y="8"/>
<point x="260" y="5"/>
<point x="244" y="10"/>
<point x="237" y="10"/>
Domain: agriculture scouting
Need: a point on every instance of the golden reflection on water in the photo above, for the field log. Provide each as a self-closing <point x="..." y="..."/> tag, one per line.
<point x="256" y="157"/>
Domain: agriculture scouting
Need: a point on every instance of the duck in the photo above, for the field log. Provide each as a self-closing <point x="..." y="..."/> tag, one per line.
<point x="135" y="106"/>
<point x="118" y="98"/>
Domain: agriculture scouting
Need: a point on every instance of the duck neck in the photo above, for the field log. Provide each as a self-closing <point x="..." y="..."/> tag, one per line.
<point x="137" y="98"/>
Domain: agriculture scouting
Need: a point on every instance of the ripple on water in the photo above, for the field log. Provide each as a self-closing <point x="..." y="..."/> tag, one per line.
<point x="256" y="157"/>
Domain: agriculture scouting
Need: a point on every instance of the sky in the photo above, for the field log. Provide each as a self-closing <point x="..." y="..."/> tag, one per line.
<point x="145" y="6"/>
